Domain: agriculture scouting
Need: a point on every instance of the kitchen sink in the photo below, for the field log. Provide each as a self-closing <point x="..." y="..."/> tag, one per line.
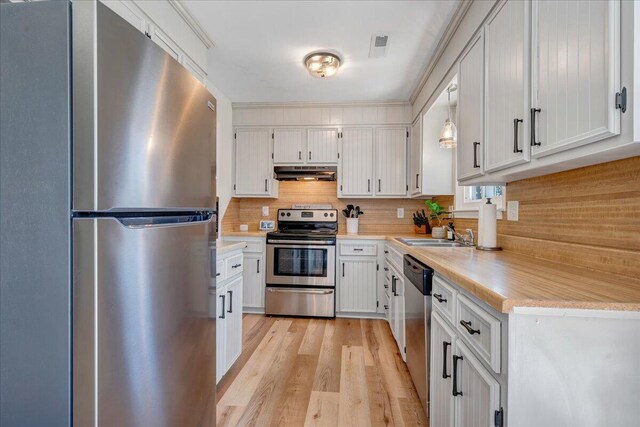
<point x="426" y="242"/>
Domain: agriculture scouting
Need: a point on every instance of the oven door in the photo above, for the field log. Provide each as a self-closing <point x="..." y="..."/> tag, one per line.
<point x="300" y="264"/>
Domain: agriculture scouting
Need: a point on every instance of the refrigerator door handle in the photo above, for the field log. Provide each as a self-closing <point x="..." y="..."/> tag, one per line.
<point x="141" y="222"/>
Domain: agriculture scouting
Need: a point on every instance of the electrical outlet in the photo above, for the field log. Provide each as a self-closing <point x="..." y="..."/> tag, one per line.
<point x="400" y="212"/>
<point x="512" y="210"/>
<point x="265" y="211"/>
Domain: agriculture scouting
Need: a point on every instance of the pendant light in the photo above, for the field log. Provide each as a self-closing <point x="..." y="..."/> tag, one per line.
<point x="449" y="133"/>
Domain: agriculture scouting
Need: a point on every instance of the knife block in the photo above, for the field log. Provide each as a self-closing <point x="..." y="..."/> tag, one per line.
<point x="421" y="230"/>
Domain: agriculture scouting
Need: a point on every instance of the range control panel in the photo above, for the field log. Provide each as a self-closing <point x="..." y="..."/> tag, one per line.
<point x="309" y="215"/>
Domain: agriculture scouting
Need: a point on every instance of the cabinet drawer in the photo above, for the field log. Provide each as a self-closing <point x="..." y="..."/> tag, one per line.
<point x="443" y="298"/>
<point x="393" y="256"/>
<point x="233" y="265"/>
<point x="220" y="271"/>
<point x="358" y="249"/>
<point x="254" y="246"/>
<point x="480" y="329"/>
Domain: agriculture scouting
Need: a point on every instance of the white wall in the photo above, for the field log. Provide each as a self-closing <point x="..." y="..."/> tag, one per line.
<point x="224" y="151"/>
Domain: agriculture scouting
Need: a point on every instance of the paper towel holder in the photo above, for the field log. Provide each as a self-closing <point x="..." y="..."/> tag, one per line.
<point x="486" y="248"/>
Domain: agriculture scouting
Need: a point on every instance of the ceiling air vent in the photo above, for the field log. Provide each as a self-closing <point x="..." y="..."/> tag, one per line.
<point x="378" y="47"/>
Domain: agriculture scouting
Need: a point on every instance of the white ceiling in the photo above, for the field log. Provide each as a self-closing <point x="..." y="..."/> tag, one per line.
<point x="260" y="46"/>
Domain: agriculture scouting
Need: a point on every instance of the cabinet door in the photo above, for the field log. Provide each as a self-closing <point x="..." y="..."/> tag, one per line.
<point x="575" y="73"/>
<point x="415" y="158"/>
<point x="507" y="83"/>
<point x="221" y="327"/>
<point x="357" y="290"/>
<point x="322" y="146"/>
<point x="470" y="111"/>
<point x="130" y="12"/>
<point x="253" y="281"/>
<point x="480" y="398"/>
<point x="165" y="42"/>
<point x="441" y="397"/>
<point x="233" y="321"/>
<point x="397" y="284"/>
<point x="391" y="162"/>
<point x="254" y="169"/>
<point x="356" y="162"/>
<point x="289" y="146"/>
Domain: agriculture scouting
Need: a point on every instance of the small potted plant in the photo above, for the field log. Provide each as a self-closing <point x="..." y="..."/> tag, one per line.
<point x="436" y="214"/>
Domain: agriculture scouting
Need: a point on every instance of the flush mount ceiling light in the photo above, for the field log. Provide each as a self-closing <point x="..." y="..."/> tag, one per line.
<point x="322" y="64"/>
<point x="449" y="133"/>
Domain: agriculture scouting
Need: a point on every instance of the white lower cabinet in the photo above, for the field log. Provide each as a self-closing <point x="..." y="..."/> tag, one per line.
<point x="442" y="402"/>
<point x="233" y="320"/>
<point x="397" y="300"/>
<point x="357" y="277"/>
<point x="227" y="300"/>
<point x="253" y="273"/>
<point x="478" y="401"/>
<point x="463" y="389"/>
<point x="394" y="287"/>
<point x="254" y="283"/>
<point x="357" y="288"/>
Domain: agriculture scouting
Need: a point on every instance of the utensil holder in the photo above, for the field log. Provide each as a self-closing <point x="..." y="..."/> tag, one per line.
<point x="352" y="225"/>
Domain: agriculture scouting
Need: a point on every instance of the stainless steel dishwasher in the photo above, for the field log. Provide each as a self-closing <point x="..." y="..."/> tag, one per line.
<point x="417" y="302"/>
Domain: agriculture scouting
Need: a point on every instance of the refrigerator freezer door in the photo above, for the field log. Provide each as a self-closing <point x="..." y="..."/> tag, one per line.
<point x="143" y="126"/>
<point x="143" y="331"/>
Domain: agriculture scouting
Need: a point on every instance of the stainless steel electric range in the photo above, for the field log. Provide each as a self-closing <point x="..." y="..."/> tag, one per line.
<point x="301" y="263"/>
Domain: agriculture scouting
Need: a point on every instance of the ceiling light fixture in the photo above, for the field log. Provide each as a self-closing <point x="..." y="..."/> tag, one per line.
<point x="449" y="133"/>
<point x="322" y="64"/>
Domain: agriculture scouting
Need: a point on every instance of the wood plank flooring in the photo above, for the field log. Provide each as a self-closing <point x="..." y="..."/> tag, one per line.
<point x="316" y="372"/>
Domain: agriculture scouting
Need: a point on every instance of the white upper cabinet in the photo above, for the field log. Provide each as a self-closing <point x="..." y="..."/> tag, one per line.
<point x="575" y="73"/>
<point x="131" y="13"/>
<point x="145" y="16"/>
<point x="355" y="174"/>
<point x="165" y="42"/>
<point x="391" y="161"/>
<point x="507" y="86"/>
<point x="470" y="111"/>
<point x="289" y="146"/>
<point x="415" y="157"/>
<point x="254" y="166"/>
<point x="322" y="146"/>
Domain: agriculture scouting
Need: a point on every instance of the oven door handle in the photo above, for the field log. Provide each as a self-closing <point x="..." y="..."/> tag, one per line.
<point x="302" y="242"/>
<point x="298" y="291"/>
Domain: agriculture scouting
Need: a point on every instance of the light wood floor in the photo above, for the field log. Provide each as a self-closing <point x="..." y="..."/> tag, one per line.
<point x="315" y="372"/>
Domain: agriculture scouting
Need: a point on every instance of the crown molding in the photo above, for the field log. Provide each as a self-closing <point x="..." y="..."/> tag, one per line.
<point x="460" y="12"/>
<point x="192" y="22"/>
<point x="303" y="104"/>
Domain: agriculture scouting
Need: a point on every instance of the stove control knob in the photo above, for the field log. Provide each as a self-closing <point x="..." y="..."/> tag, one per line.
<point x="288" y="213"/>
<point x="281" y="213"/>
<point x="331" y="215"/>
<point x="326" y="214"/>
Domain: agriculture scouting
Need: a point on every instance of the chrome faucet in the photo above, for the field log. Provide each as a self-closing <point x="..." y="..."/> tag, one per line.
<point x="468" y="240"/>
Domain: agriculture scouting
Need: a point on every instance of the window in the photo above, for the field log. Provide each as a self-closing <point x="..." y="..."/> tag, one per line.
<point x="469" y="198"/>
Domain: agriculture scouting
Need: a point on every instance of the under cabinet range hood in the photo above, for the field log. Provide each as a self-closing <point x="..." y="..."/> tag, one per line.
<point x="305" y="173"/>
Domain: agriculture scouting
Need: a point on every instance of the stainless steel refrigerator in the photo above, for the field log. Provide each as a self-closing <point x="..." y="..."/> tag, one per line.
<point x="107" y="164"/>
